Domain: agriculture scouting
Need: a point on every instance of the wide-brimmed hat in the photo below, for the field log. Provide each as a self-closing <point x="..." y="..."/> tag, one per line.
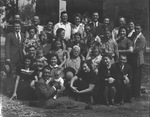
<point x="69" y="69"/>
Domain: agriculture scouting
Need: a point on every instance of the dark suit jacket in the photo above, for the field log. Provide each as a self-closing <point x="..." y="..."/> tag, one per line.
<point x="139" y="47"/>
<point x="119" y="73"/>
<point x="96" y="30"/>
<point x="44" y="91"/>
<point x="14" y="49"/>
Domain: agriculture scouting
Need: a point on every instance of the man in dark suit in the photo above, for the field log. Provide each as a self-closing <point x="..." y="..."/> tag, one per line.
<point x="14" y="48"/>
<point x="123" y="75"/>
<point x="139" y="44"/>
<point x="96" y="26"/>
<point x="45" y="87"/>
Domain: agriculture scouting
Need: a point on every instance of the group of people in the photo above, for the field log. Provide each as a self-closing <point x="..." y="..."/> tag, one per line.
<point x="90" y="61"/>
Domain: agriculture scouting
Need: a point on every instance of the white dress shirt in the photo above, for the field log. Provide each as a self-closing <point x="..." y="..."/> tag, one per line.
<point x="66" y="27"/>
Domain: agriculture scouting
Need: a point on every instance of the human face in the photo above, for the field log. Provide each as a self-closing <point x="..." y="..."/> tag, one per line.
<point x="77" y="20"/>
<point x="95" y="17"/>
<point x="62" y="34"/>
<point x="58" y="44"/>
<point x="108" y="34"/>
<point x="50" y="25"/>
<point x="31" y="33"/>
<point x="17" y="27"/>
<point x="77" y="38"/>
<point x="32" y="51"/>
<point x="122" y="21"/>
<point x="64" y="17"/>
<point x="106" y="61"/>
<point x="41" y="53"/>
<point x="122" y="60"/>
<point x="138" y="29"/>
<point x="53" y="61"/>
<point x="36" y="20"/>
<point x="131" y="25"/>
<point x="123" y="32"/>
<point x="96" y="50"/>
<point x="17" y="18"/>
<point x="76" y="52"/>
<point x="106" y="21"/>
<point x="46" y="74"/>
<point x="57" y="74"/>
<point x="27" y="62"/>
<point x="87" y="29"/>
<point x="85" y="68"/>
<point x="43" y="37"/>
<point x="39" y="64"/>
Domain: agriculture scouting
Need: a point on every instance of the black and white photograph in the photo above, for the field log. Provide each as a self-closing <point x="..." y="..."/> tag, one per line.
<point x="74" y="58"/>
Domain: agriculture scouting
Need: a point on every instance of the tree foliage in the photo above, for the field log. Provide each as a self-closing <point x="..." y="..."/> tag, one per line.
<point x="27" y="12"/>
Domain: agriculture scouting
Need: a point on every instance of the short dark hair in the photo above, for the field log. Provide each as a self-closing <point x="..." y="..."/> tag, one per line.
<point x="46" y="67"/>
<point x="123" y="27"/>
<point x="77" y="34"/>
<point x="63" y="12"/>
<point x="59" y="31"/>
<point x="32" y="27"/>
<point x="50" y="55"/>
<point x="88" y="63"/>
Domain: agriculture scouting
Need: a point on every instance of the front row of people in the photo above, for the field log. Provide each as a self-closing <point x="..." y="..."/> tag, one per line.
<point x="36" y="81"/>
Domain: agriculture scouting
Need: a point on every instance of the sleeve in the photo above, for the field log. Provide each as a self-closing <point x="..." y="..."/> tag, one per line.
<point x="61" y="82"/>
<point x="7" y="47"/>
<point x="140" y="45"/>
<point x="55" y="29"/>
<point x="45" y="90"/>
<point x="116" y="50"/>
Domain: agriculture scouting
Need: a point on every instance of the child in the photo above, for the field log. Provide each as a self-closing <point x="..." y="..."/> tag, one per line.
<point x="38" y="66"/>
<point x="62" y="54"/>
<point x="57" y="78"/>
<point x="40" y="56"/>
<point x="94" y="55"/>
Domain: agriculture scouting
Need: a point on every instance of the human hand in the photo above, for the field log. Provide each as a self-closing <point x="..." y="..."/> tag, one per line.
<point x="74" y="88"/>
<point x="111" y="80"/>
<point x="126" y="79"/>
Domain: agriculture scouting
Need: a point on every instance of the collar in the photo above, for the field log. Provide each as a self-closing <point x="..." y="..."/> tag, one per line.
<point x="53" y="66"/>
<point x="64" y="23"/>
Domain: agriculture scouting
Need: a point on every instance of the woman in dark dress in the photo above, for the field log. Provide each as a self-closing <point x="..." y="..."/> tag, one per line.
<point x="83" y="83"/>
<point x="25" y="74"/>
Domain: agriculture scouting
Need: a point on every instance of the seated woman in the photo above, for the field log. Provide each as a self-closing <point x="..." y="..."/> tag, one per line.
<point x="25" y="75"/>
<point x="107" y="79"/>
<point x="75" y="59"/>
<point x="83" y="83"/>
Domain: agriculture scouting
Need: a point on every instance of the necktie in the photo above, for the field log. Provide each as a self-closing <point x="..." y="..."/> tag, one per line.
<point x="18" y="37"/>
